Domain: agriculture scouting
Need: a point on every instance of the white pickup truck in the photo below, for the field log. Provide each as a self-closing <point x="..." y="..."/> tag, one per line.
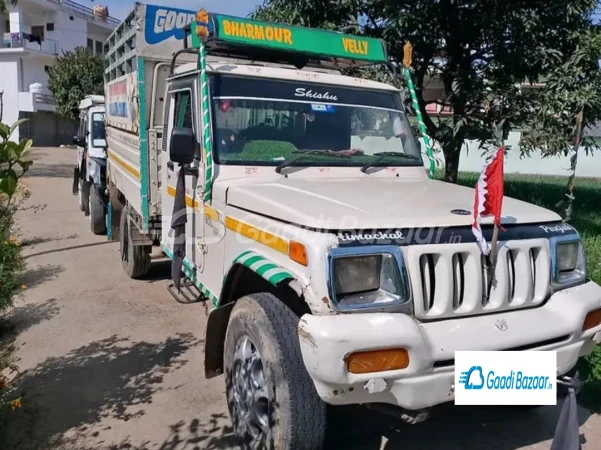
<point x="89" y="177"/>
<point x="337" y="271"/>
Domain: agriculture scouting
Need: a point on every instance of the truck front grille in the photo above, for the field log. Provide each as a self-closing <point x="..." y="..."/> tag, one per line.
<point x="450" y="280"/>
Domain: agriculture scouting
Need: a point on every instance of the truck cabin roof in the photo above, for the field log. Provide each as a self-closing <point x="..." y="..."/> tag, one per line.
<point x="91" y="100"/>
<point x="284" y="73"/>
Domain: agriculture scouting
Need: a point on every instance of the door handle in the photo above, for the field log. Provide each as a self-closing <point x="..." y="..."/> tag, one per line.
<point x="170" y="165"/>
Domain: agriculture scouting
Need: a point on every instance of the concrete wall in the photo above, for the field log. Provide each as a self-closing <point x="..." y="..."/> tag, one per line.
<point x="9" y="83"/>
<point x="473" y="161"/>
<point x="588" y="165"/>
<point x="71" y="33"/>
<point x="33" y="72"/>
<point x="47" y="128"/>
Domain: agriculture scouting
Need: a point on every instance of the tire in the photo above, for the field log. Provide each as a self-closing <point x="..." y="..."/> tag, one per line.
<point x="297" y="420"/>
<point x="84" y="197"/>
<point x="97" y="211"/>
<point x="134" y="258"/>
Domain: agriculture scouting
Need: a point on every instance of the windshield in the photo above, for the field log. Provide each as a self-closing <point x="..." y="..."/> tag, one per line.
<point x="262" y="121"/>
<point x="98" y="130"/>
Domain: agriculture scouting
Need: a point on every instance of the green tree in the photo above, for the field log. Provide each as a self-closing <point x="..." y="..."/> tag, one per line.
<point x="75" y="74"/>
<point x="479" y="51"/>
<point x="573" y="85"/>
<point x="5" y="3"/>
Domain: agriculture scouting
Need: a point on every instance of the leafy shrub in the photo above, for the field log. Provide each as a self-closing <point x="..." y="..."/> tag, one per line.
<point x="13" y="166"/>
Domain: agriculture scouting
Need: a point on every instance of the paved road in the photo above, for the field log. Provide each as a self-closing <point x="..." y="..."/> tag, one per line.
<point x="111" y="363"/>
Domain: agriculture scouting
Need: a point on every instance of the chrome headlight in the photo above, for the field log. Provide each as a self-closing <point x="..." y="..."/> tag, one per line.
<point x="367" y="278"/>
<point x="568" y="262"/>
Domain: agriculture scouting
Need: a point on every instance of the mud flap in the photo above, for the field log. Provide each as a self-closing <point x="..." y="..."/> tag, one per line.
<point x="567" y="431"/>
<point x="75" y="180"/>
<point x="109" y="221"/>
<point x="114" y="214"/>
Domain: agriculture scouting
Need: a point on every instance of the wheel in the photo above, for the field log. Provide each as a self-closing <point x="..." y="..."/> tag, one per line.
<point x="84" y="197"/>
<point x="97" y="211"/>
<point x="271" y="398"/>
<point x="135" y="258"/>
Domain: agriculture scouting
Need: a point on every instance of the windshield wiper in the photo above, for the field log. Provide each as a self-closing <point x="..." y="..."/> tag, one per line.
<point x="381" y="156"/>
<point x="290" y="162"/>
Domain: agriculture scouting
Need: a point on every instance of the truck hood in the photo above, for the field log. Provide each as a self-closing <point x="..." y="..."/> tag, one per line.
<point x="371" y="203"/>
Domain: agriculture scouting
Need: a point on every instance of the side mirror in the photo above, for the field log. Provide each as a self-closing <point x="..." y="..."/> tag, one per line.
<point x="182" y="145"/>
<point x="79" y="141"/>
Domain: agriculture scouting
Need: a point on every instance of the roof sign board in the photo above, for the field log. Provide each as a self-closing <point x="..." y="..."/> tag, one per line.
<point x="162" y="23"/>
<point x="281" y="37"/>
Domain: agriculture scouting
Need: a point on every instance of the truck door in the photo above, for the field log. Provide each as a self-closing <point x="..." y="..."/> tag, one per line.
<point x="183" y="111"/>
<point x="82" y="132"/>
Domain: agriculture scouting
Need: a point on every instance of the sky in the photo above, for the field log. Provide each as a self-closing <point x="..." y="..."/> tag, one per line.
<point x="119" y="8"/>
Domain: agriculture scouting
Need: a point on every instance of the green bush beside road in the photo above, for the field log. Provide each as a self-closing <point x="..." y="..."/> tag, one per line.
<point x="13" y="165"/>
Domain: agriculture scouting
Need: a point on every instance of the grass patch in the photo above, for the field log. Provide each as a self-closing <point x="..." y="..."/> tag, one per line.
<point x="546" y="191"/>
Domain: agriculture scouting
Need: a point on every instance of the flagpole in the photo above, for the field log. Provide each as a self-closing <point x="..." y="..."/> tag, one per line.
<point x="492" y="263"/>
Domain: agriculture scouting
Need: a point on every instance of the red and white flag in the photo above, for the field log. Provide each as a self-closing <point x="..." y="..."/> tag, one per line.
<point x="489" y="196"/>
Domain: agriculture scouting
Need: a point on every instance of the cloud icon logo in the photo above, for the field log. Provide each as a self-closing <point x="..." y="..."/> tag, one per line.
<point x="473" y="378"/>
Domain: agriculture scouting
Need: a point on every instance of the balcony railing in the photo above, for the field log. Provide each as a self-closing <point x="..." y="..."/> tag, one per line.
<point x="85" y="12"/>
<point x="30" y="42"/>
<point x="36" y="101"/>
<point x="46" y="99"/>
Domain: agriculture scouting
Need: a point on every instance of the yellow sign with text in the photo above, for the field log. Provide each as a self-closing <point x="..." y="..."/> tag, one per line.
<point x="256" y="32"/>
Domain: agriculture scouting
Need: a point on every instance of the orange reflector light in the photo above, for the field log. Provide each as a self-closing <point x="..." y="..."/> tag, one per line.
<point x="297" y="252"/>
<point x="378" y="360"/>
<point x="591" y="320"/>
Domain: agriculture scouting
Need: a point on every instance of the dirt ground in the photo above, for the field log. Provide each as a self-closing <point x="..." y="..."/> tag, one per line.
<point x="112" y="363"/>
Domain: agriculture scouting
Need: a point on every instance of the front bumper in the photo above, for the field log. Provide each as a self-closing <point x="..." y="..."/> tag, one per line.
<point x="96" y="170"/>
<point x="326" y="341"/>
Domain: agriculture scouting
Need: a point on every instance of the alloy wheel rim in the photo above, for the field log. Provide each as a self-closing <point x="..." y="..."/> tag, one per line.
<point x="251" y="402"/>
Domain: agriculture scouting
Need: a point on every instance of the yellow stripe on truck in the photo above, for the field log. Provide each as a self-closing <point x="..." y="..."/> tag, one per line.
<point x="258" y="235"/>
<point x="123" y="164"/>
<point x="190" y="202"/>
<point x="244" y="229"/>
<point x="211" y="213"/>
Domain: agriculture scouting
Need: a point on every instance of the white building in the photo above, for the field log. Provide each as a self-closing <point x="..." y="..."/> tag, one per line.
<point x="33" y="33"/>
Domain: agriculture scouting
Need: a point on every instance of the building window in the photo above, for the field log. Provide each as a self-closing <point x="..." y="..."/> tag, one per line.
<point x="98" y="48"/>
<point x="49" y="27"/>
<point x="70" y="17"/>
<point x="38" y="31"/>
<point x="46" y="69"/>
<point x="91" y="45"/>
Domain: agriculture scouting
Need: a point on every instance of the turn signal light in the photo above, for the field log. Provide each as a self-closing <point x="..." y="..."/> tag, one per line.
<point x="378" y="360"/>
<point x="298" y="253"/>
<point x="591" y="320"/>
